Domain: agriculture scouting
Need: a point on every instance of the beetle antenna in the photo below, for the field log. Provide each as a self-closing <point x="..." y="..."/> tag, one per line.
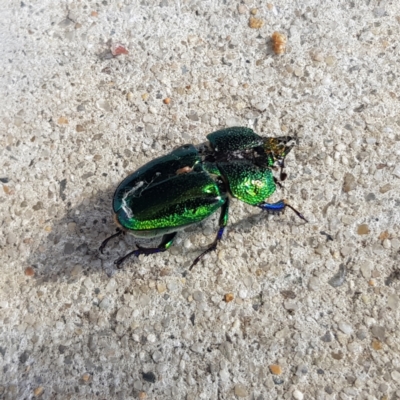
<point x="297" y="212"/>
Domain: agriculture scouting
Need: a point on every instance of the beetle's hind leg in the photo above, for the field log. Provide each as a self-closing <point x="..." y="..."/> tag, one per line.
<point x="278" y="207"/>
<point x="165" y="244"/>
<point x="223" y="221"/>
<point x="104" y="244"/>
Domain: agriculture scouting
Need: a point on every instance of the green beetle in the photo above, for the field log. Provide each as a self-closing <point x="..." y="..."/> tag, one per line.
<point x="190" y="183"/>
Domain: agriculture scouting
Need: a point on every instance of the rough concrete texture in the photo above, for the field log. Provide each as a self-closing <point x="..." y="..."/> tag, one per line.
<point x="315" y="309"/>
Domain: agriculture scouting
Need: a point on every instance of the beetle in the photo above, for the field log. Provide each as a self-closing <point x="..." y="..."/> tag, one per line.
<point x="191" y="182"/>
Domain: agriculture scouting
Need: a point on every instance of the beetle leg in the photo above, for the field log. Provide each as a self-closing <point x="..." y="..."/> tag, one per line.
<point x="165" y="244"/>
<point x="278" y="183"/>
<point x="278" y="207"/>
<point x="283" y="174"/>
<point x="223" y="221"/>
<point x="104" y="244"/>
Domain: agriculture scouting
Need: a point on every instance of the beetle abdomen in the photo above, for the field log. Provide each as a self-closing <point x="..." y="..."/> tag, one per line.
<point x="155" y="171"/>
<point x="178" y="201"/>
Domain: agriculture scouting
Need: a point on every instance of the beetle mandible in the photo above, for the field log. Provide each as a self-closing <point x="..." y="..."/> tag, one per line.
<point x="190" y="183"/>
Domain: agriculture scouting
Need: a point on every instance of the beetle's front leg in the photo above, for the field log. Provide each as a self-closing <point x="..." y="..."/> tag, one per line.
<point x="165" y="244"/>
<point x="103" y="245"/>
<point x="223" y="221"/>
<point x="278" y="207"/>
<point x="278" y="183"/>
<point x="283" y="174"/>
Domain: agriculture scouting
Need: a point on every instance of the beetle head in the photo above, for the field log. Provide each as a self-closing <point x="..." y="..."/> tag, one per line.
<point x="278" y="148"/>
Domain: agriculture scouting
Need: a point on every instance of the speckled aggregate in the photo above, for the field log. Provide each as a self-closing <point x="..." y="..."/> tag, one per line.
<point x="319" y="302"/>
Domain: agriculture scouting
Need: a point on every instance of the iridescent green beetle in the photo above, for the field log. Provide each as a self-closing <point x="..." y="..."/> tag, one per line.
<point x="189" y="184"/>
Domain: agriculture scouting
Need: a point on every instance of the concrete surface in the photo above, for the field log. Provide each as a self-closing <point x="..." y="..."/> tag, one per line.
<point x="315" y="310"/>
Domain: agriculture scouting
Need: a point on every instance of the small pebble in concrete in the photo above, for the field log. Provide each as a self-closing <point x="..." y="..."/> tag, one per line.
<point x="327" y="337"/>
<point x="378" y="332"/>
<point x="157" y="356"/>
<point x="149" y="377"/>
<point x="396" y="376"/>
<point x="339" y="278"/>
<point x="393" y="301"/>
<point x="62" y="121"/>
<point x="361" y="334"/>
<point x="349" y="182"/>
<point x="377" y="345"/>
<point x="198" y="295"/>
<point x="161" y="287"/>
<point x="363" y="229"/>
<point x="241" y="391"/>
<point x="29" y="271"/>
<point x="313" y="283"/>
<point x="366" y="269"/>
<point x="255" y="23"/>
<point x="291" y="305"/>
<point x="228" y="297"/>
<point x="242" y="9"/>
<point x="197" y="348"/>
<point x="330" y="60"/>
<point x="345" y="328"/>
<point x="298" y="395"/>
<point x="385" y="188"/>
<point x="105" y="304"/>
<point x="337" y="355"/>
<point x="38" y="391"/>
<point x="275" y="369"/>
<point x="279" y="41"/>
<point x="117" y="49"/>
<point x="396" y="171"/>
<point x="151" y="338"/>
